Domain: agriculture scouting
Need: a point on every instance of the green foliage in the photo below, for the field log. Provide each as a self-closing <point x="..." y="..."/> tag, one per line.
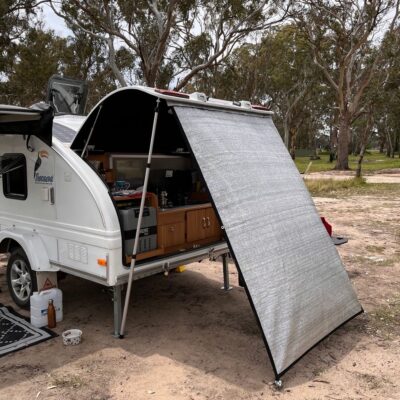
<point x="14" y="16"/>
<point x="323" y="187"/>
<point x="373" y="161"/>
<point x="38" y="56"/>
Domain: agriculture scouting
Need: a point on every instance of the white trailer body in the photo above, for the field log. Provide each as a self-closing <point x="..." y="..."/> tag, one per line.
<point x="66" y="219"/>
<point x="63" y="216"/>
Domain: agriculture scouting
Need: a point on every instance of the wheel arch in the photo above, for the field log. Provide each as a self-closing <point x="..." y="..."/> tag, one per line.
<point x="31" y="244"/>
<point x="8" y="245"/>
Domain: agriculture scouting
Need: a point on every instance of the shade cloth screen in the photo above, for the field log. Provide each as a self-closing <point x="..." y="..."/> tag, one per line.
<point x="295" y="279"/>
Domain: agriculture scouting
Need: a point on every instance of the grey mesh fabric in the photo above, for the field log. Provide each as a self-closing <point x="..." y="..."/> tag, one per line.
<point x="294" y="276"/>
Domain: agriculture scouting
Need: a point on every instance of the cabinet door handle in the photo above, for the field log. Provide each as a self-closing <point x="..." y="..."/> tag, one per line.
<point x="172" y="228"/>
<point x="204" y="223"/>
<point x="208" y="222"/>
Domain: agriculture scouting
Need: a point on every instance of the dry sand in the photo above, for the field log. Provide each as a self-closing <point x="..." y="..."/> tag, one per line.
<point x="187" y="339"/>
<point x="383" y="176"/>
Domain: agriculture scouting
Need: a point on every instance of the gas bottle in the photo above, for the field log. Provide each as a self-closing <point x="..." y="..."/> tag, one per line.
<point x="40" y="303"/>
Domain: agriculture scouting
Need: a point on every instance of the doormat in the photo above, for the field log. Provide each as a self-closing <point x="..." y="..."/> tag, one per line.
<point x="16" y="333"/>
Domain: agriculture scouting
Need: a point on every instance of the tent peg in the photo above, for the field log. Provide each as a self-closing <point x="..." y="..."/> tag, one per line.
<point x="278" y="384"/>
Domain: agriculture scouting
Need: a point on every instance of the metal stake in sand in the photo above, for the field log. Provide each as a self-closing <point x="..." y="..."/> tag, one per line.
<point x="139" y="224"/>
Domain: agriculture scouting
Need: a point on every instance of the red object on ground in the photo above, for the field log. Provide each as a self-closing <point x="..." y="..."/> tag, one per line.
<point x="327" y="225"/>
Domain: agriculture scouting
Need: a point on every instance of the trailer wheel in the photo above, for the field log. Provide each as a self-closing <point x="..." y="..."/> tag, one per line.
<point x="21" y="280"/>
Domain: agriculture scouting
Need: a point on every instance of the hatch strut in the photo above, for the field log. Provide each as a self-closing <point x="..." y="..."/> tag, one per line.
<point x="91" y="131"/>
<point x="139" y="224"/>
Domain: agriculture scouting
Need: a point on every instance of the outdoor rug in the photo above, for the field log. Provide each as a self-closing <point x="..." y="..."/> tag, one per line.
<point x="16" y="333"/>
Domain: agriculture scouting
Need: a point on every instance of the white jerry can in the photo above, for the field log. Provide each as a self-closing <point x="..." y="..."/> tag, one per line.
<point x="40" y="303"/>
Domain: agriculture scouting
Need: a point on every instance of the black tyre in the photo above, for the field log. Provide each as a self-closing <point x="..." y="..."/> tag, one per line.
<point x="21" y="280"/>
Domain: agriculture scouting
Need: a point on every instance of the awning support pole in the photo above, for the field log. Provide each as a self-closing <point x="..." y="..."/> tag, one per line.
<point x="91" y="131"/>
<point x="117" y="302"/>
<point x="139" y="224"/>
<point x="225" y="268"/>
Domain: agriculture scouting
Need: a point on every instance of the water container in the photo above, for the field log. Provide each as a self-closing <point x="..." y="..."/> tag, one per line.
<point x="39" y="304"/>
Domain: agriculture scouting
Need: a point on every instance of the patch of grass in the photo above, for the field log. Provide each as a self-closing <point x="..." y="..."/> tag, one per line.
<point x="385" y="320"/>
<point x="373" y="161"/>
<point x="376" y="261"/>
<point x="319" y="371"/>
<point x="68" y="381"/>
<point x="373" y="382"/>
<point x="375" y="249"/>
<point x="318" y="187"/>
<point x="350" y="187"/>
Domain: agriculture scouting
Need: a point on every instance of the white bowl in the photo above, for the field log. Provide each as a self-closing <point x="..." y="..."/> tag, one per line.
<point x="72" y="337"/>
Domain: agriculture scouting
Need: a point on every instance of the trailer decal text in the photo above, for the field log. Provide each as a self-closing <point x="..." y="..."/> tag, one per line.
<point x="43" y="163"/>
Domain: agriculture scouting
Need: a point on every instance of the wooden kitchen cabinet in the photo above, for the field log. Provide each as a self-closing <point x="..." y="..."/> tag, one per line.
<point x="213" y="226"/>
<point x="195" y="225"/>
<point x="186" y="227"/>
<point x="202" y="224"/>
<point x="172" y="234"/>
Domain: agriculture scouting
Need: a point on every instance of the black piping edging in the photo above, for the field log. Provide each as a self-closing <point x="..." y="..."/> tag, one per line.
<point x="321" y="340"/>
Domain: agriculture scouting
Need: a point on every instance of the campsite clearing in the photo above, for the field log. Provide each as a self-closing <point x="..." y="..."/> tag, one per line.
<point x="187" y="339"/>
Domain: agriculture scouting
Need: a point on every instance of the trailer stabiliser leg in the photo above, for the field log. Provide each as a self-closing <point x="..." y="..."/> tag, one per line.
<point x="117" y="302"/>
<point x="225" y="268"/>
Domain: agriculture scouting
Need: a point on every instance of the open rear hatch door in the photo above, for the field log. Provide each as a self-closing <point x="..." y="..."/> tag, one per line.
<point x="295" y="281"/>
<point x="27" y="121"/>
<point x="66" y="95"/>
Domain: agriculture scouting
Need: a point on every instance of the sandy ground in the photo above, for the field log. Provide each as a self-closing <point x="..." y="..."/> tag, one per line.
<point x="384" y="176"/>
<point x="187" y="339"/>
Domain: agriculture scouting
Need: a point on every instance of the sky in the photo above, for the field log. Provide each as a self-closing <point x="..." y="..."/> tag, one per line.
<point x="54" y="22"/>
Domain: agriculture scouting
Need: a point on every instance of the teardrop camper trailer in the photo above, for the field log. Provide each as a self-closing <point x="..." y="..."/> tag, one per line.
<point x="217" y="180"/>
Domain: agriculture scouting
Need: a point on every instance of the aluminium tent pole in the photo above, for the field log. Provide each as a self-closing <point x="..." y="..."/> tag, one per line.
<point x="139" y="224"/>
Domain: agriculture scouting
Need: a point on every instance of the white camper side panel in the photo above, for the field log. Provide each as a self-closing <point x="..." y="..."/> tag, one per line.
<point x="67" y="207"/>
<point x="88" y="216"/>
<point x="36" y="211"/>
<point x="75" y="204"/>
<point x="40" y="178"/>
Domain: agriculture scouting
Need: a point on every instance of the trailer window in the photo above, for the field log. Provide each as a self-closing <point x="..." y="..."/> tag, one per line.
<point x="13" y="171"/>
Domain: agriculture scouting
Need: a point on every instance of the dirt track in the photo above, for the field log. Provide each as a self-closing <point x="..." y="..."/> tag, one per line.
<point x="384" y="176"/>
<point x="186" y="339"/>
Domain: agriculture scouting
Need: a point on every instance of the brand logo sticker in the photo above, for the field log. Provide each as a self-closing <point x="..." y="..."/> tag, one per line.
<point x="43" y="173"/>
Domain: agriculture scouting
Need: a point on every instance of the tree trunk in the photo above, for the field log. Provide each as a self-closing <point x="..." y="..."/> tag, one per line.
<point x="293" y="134"/>
<point x="360" y="160"/>
<point x="112" y="62"/>
<point x="333" y="138"/>
<point x="286" y="133"/>
<point x="342" y="161"/>
<point x="382" y="142"/>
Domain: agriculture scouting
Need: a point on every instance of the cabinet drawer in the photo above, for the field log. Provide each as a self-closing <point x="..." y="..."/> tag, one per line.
<point x="172" y="234"/>
<point x="169" y="217"/>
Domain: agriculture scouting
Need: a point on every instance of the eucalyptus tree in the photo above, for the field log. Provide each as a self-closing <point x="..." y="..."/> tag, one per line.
<point x="290" y="78"/>
<point x="14" y="22"/>
<point x="37" y="56"/>
<point x="277" y="71"/>
<point x="161" y="34"/>
<point x="387" y="92"/>
<point x="340" y="34"/>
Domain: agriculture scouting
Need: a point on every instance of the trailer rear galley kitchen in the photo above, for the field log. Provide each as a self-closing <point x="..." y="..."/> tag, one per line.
<point x="206" y="178"/>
